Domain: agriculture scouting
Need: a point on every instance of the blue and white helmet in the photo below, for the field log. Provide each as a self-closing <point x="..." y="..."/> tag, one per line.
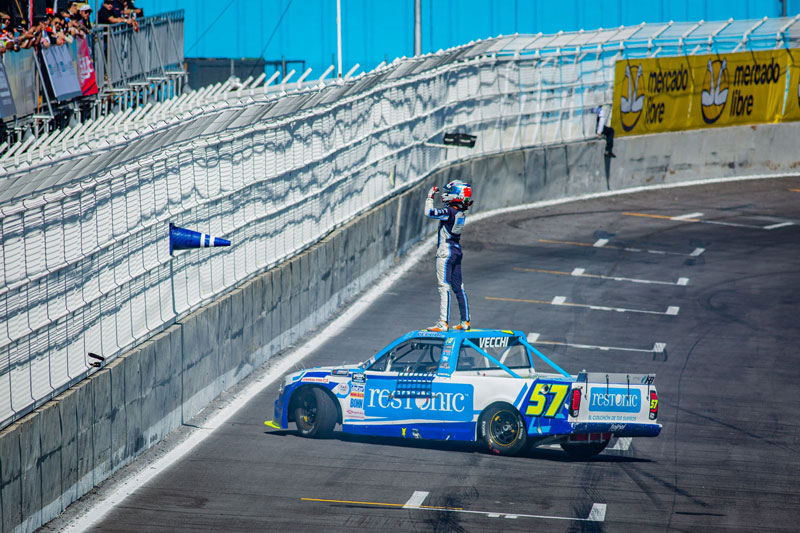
<point x="456" y="191"/>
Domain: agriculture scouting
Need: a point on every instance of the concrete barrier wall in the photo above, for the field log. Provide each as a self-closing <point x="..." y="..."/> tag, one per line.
<point x="59" y="452"/>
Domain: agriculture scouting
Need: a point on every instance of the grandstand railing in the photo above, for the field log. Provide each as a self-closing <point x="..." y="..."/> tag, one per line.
<point x="84" y="214"/>
<point x="131" y="68"/>
<point x="124" y="56"/>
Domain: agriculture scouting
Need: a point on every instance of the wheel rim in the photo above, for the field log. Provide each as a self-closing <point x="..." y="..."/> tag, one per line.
<point x="504" y="428"/>
<point x="309" y="409"/>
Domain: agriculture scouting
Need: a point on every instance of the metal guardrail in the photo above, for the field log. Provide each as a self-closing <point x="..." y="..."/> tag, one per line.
<point x="84" y="215"/>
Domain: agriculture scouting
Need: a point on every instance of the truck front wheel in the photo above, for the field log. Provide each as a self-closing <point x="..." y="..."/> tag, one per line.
<point x="314" y="413"/>
<point x="503" y="430"/>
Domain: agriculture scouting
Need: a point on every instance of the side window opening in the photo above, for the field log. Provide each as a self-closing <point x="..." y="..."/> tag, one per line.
<point x="416" y="355"/>
<point x="507" y="350"/>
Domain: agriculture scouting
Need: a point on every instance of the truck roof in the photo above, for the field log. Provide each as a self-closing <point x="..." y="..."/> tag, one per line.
<point x="474" y="332"/>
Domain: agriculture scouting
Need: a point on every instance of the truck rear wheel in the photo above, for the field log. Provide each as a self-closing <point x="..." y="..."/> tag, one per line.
<point x="503" y="430"/>
<point x="583" y="450"/>
<point x="314" y="413"/>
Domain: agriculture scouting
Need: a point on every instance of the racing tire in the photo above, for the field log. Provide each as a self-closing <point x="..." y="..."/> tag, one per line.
<point x="314" y="413"/>
<point x="503" y="430"/>
<point x="583" y="450"/>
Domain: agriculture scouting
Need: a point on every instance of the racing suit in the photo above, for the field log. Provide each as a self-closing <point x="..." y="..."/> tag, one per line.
<point x="448" y="257"/>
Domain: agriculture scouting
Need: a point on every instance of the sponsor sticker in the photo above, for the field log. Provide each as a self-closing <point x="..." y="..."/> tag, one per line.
<point x="354" y="414"/>
<point x="452" y="402"/>
<point x="446" y="353"/>
<point x="493" y="342"/>
<point x="615" y="399"/>
<point x="314" y="379"/>
<point x="612" y="418"/>
<point x="339" y="372"/>
<point x="342" y="389"/>
<point x="356" y="404"/>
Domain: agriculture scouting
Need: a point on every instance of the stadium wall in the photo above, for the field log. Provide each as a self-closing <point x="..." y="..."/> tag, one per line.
<point x="63" y="449"/>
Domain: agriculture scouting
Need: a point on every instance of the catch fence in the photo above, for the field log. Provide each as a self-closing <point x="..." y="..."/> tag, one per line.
<point x="85" y="263"/>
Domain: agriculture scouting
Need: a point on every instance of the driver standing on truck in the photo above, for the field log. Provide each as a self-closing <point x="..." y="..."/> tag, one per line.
<point x="457" y="197"/>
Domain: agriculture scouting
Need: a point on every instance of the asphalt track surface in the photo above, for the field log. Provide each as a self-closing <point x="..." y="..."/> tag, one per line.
<point x="727" y="375"/>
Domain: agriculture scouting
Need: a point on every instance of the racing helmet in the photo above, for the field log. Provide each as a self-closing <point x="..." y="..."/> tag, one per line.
<point x="456" y="191"/>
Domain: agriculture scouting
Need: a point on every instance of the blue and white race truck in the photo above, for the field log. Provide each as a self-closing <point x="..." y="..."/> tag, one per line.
<point x="474" y="385"/>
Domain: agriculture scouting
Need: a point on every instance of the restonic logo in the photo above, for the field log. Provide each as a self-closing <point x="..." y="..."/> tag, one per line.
<point x="615" y="400"/>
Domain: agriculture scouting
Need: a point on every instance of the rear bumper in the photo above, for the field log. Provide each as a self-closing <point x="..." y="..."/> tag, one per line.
<point x="618" y="430"/>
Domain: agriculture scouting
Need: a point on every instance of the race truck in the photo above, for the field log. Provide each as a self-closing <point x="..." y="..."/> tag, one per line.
<point x="475" y="385"/>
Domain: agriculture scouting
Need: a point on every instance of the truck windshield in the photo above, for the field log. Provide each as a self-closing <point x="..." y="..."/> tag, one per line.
<point x="416" y="355"/>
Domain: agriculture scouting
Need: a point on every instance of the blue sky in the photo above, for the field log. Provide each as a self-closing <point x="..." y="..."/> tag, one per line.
<point x="374" y="30"/>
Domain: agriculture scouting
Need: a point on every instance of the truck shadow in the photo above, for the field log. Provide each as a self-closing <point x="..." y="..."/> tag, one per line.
<point x="541" y="454"/>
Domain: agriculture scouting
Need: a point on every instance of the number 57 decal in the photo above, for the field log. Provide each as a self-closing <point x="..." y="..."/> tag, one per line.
<point x="538" y="399"/>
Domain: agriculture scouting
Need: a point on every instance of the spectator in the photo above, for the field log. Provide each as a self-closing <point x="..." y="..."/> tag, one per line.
<point x="54" y="29"/>
<point x="59" y="30"/>
<point x="111" y="14"/>
<point x="8" y="40"/>
<point x="130" y="10"/>
<point x="70" y="26"/>
<point x="42" y="35"/>
<point x="29" y="37"/>
<point x="73" y="8"/>
<point x="85" y="17"/>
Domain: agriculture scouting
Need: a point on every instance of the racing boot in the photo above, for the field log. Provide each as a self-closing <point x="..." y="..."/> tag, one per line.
<point x="439" y="326"/>
<point x="463" y="326"/>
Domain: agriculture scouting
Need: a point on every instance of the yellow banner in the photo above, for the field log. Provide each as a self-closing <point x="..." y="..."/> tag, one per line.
<point x="689" y="92"/>
<point x="651" y="95"/>
<point x="791" y="110"/>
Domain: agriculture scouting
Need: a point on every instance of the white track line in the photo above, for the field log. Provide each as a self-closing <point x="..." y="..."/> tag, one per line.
<point x="562" y="300"/>
<point x="687" y="216"/>
<point x="602" y="243"/>
<point x="596" y="514"/>
<point x="416" y="499"/>
<point x="732" y="224"/>
<point x="780" y="225"/>
<point x="581" y="272"/>
<point x="658" y="347"/>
